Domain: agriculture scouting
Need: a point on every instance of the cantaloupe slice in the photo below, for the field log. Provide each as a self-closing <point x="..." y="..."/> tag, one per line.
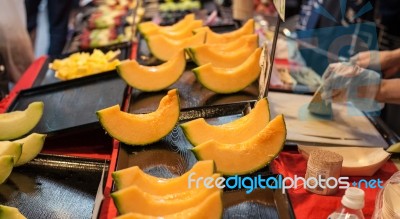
<point x="246" y="40"/>
<point x="6" y="166"/>
<point x="152" y="78"/>
<point x="11" y="148"/>
<point x="215" y="38"/>
<point x="134" y="200"/>
<point x="150" y="26"/>
<point x="31" y="147"/>
<point x="248" y="156"/>
<point x="16" y="124"/>
<point x="142" y="129"/>
<point x="164" y="48"/>
<point x="230" y="80"/>
<point x="160" y="186"/>
<point x="199" y="131"/>
<point x="7" y="212"/>
<point x="181" y="34"/>
<point x="210" y="208"/>
<point x="204" y="54"/>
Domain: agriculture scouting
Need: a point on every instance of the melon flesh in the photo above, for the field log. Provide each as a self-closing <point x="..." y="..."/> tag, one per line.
<point x="230" y="80"/>
<point x="152" y="78"/>
<point x="16" y="124"/>
<point x="164" y="48"/>
<point x="215" y="38"/>
<point x="31" y="147"/>
<point x="248" y="156"/>
<point x="142" y="129"/>
<point x="6" y="166"/>
<point x="199" y="131"/>
<point x="247" y="40"/>
<point x="160" y="186"/>
<point x="151" y="26"/>
<point x="133" y="200"/>
<point x="11" y="148"/>
<point x="204" y="54"/>
<point x="181" y="34"/>
<point x="7" y="212"/>
<point x="210" y="208"/>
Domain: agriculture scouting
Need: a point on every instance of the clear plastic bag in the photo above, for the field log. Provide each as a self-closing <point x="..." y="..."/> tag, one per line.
<point x="385" y="206"/>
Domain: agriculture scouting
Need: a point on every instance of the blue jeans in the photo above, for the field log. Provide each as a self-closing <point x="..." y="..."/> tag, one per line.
<point x="58" y="15"/>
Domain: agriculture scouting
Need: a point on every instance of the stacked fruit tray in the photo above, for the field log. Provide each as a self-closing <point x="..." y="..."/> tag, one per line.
<point x="105" y="25"/>
<point x="175" y="128"/>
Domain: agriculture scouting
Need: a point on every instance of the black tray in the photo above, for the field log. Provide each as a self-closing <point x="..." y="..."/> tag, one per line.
<point x="46" y="75"/>
<point x="72" y="105"/>
<point x="172" y="156"/>
<point x="54" y="186"/>
<point x="73" y="45"/>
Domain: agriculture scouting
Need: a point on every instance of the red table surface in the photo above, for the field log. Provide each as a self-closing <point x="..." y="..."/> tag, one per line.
<point x="289" y="163"/>
<point x="309" y="205"/>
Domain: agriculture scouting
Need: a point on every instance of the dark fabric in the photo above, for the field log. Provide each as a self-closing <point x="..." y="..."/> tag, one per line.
<point x="389" y="13"/>
<point x="3" y="85"/>
<point x="58" y="12"/>
<point x="32" y="9"/>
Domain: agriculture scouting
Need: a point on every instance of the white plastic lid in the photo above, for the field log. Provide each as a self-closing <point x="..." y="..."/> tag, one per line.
<point x="353" y="198"/>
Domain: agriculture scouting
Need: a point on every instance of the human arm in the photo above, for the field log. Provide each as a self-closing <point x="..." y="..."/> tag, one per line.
<point x="386" y="61"/>
<point x="389" y="91"/>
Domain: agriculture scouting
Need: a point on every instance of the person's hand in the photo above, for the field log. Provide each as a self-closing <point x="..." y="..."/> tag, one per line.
<point x="344" y="82"/>
<point x="386" y="61"/>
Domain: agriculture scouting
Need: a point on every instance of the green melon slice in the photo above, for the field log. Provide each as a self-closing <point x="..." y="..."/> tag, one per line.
<point x="32" y="145"/>
<point x="6" y="166"/>
<point x="18" y="123"/>
<point x="11" y="148"/>
<point x="395" y="148"/>
<point x="7" y="212"/>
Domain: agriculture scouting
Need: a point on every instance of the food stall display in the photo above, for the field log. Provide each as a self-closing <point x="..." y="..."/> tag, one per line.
<point x="157" y="124"/>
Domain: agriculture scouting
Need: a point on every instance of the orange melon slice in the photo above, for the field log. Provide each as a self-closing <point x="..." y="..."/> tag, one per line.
<point x="142" y="129"/>
<point x="152" y="78"/>
<point x="247" y="40"/>
<point x="204" y="54"/>
<point x="199" y="131"/>
<point x="215" y="38"/>
<point x="248" y="156"/>
<point x="181" y="34"/>
<point x="133" y="200"/>
<point x="160" y="186"/>
<point x="210" y="208"/>
<point x="164" y="48"/>
<point x="150" y="26"/>
<point x="230" y="80"/>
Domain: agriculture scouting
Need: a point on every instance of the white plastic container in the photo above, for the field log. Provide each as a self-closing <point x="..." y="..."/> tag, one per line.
<point x="352" y="205"/>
